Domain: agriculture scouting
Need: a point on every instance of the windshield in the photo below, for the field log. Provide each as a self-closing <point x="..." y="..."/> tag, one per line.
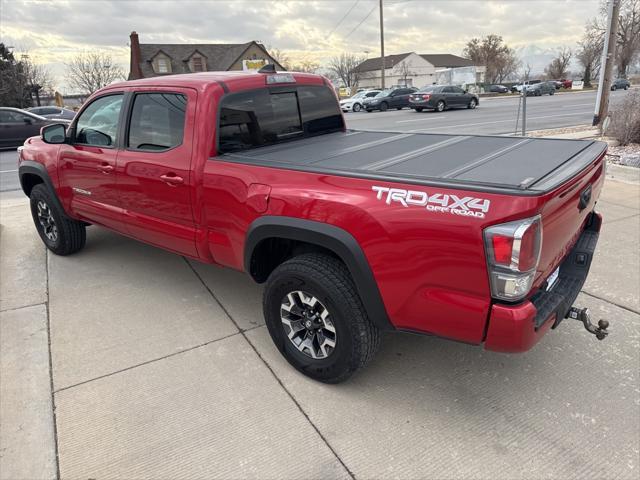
<point x="383" y="94"/>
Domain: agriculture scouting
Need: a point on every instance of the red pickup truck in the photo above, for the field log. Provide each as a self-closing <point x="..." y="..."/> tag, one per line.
<point x="479" y="239"/>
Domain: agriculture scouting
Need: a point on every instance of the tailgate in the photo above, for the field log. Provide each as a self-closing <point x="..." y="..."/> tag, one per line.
<point x="564" y="216"/>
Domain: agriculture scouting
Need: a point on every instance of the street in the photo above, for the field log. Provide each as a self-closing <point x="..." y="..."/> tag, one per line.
<point x="494" y="115"/>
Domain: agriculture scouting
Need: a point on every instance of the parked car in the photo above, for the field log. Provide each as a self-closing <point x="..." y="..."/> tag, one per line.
<point x="498" y="89"/>
<point x="352" y="232"/>
<point x="556" y="83"/>
<point x="442" y="97"/>
<point x="542" y="88"/>
<point x="53" y="112"/>
<point x="354" y="104"/>
<point x="566" y="83"/>
<point x="394" y="98"/>
<point x="620" y="83"/>
<point x="518" y="87"/>
<point x="17" y="125"/>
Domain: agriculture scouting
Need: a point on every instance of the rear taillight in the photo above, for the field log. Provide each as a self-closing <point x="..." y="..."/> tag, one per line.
<point x="426" y="97"/>
<point x="513" y="252"/>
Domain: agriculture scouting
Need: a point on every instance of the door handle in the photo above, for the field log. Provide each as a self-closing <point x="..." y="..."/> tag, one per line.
<point x="106" y="168"/>
<point x="172" y="179"/>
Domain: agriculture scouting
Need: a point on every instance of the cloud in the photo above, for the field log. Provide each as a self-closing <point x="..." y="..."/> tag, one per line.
<point x="55" y="31"/>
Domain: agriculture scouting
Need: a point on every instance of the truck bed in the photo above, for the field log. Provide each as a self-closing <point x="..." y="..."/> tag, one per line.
<point x="519" y="165"/>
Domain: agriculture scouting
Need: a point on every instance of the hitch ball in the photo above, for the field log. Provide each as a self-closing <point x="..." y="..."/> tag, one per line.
<point x="583" y="315"/>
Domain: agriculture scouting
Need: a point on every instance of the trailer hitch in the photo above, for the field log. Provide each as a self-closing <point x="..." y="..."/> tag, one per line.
<point x="584" y="316"/>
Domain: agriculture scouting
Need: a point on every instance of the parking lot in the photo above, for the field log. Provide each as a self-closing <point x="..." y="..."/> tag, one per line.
<point x="494" y="116"/>
<point x="162" y="368"/>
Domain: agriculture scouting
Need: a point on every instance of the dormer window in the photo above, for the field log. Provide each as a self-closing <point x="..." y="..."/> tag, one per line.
<point x="197" y="63"/>
<point x="161" y="63"/>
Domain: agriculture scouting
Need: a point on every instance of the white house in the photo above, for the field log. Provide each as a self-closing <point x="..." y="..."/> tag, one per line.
<point x="412" y="69"/>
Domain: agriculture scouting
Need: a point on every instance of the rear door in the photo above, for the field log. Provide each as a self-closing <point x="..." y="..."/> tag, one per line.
<point x="154" y="168"/>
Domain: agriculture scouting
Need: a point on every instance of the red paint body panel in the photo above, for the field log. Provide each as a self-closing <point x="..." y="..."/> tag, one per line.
<point x="430" y="267"/>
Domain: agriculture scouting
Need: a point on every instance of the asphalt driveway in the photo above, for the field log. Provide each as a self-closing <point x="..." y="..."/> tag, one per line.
<point x="125" y="361"/>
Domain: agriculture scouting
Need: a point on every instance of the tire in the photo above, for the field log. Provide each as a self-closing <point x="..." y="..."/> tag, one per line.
<point x="356" y="107"/>
<point x="418" y="109"/>
<point x="399" y="108"/>
<point x="369" y="110"/>
<point x="552" y="92"/>
<point x="440" y="106"/>
<point x="60" y="234"/>
<point x="626" y="87"/>
<point x="473" y="103"/>
<point x="384" y="106"/>
<point x="327" y="280"/>
<point x="613" y="88"/>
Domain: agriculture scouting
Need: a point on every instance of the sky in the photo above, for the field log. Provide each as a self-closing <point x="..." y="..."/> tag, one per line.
<point x="53" y="31"/>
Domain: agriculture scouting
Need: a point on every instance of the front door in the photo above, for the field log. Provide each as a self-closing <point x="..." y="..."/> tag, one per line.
<point x="87" y="164"/>
<point x="154" y="169"/>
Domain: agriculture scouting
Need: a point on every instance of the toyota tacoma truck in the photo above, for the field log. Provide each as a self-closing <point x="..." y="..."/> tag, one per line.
<point x="485" y="240"/>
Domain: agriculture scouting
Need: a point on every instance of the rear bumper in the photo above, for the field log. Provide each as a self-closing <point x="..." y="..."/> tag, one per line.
<point x="517" y="328"/>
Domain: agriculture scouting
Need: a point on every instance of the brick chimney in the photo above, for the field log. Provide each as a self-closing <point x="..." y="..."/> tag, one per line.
<point x="135" y="71"/>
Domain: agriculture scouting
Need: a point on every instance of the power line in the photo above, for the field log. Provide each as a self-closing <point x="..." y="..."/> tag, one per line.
<point x="361" y="22"/>
<point x="343" y="17"/>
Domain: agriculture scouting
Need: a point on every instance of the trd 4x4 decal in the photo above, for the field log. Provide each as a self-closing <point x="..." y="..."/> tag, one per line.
<point x="435" y="202"/>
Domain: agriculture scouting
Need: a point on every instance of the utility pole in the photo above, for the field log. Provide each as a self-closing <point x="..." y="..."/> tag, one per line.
<point x="382" y="43"/>
<point x="608" y="59"/>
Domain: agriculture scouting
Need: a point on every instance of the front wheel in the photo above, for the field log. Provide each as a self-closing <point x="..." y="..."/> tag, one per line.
<point x="60" y="234"/>
<point x="626" y="87"/>
<point x="552" y="92"/>
<point x="613" y="88"/>
<point x="384" y="107"/>
<point x="356" y="107"/>
<point x="316" y="318"/>
<point x="472" y="104"/>
<point x="418" y="109"/>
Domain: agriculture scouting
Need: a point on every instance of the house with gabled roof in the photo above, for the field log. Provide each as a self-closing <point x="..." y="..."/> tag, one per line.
<point x="155" y="59"/>
<point x="413" y="69"/>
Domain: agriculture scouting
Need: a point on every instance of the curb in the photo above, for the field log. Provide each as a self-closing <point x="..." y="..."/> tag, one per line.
<point x="623" y="173"/>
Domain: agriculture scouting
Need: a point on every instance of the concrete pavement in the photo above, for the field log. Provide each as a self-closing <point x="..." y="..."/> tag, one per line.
<point x="162" y="368"/>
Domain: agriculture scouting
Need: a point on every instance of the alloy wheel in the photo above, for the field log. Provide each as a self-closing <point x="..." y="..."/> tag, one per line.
<point x="47" y="222"/>
<point x="308" y="325"/>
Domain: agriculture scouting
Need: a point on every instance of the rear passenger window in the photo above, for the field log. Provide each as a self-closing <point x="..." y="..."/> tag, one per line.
<point x="157" y="121"/>
<point x="267" y="116"/>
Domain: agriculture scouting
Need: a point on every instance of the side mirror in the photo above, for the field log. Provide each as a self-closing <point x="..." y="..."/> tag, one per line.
<point x="53" y="134"/>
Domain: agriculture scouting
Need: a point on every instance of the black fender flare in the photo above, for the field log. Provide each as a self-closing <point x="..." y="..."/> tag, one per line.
<point x="333" y="238"/>
<point x="34" y="168"/>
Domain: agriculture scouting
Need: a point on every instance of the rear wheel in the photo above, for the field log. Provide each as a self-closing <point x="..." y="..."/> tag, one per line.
<point x="384" y="107"/>
<point x="552" y="92"/>
<point x="316" y="318"/>
<point x="356" y="107"/>
<point x="472" y="104"/>
<point x="626" y="87"/>
<point x="613" y="87"/>
<point x="440" y="106"/>
<point x="61" y="234"/>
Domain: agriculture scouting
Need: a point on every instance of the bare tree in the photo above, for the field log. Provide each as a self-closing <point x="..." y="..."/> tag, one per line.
<point x="89" y="72"/>
<point x="403" y="69"/>
<point x="628" y="42"/>
<point x="279" y="56"/>
<point x="305" y="66"/>
<point x="500" y="60"/>
<point x="346" y="69"/>
<point x="559" y="66"/>
<point x="38" y="78"/>
<point x="588" y="55"/>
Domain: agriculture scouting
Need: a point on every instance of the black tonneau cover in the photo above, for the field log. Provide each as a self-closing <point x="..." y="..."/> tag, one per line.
<point x="520" y="165"/>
